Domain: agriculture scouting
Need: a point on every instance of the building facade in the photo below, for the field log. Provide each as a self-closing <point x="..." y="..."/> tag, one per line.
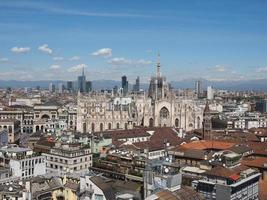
<point x="23" y="162"/>
<point x="66" y="158"/>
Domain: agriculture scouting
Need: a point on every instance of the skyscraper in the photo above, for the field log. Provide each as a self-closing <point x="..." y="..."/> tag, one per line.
<point x="60" y="88"/>
<point x="210" y="93"/>
<point x="124" y="85"/>
<point x="137" y="84"/>
<point x="70" y="86"/>
<point x="88" y="86"/>
<point x="52" y="88"/>
<point x="198" y="88"/>
<point x="82" y="82"/>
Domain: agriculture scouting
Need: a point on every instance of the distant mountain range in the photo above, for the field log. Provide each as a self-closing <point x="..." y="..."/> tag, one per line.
<point x="260" y="84"/>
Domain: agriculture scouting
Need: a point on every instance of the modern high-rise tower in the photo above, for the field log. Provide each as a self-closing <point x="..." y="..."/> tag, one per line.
<point x="198" y="88"/>
<point x="210" y="93"/>
<point x="137" y="84"/>
<point x="88" y="86"/>
<point x="82" y="83"/>
<point x="124" y="85"/>
<point x="52" y="88"/>
<point x="70" y="86"/>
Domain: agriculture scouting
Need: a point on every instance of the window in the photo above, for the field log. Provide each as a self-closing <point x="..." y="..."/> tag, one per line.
<point x="176" y="122"/>
<point x="101" y="127"/>
<point x="164" y="113"/>
<point x="151" y="122"/>
<point x="93" y="127"/>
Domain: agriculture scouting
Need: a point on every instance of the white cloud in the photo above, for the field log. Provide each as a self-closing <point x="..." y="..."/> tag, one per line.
<point x="105" y="52"/>
<point x="218" y="68"/>
<point x="120" y="61"/>
<point x="143" y="62"/>
<point x="74" y="58"/>
<point x="20" y="49"/>
<point x="262" y="70"/>
<point x="45" y="49"/>
<point x="18" y="75"/>
<point x="77" y="68"/>
<point x="54" y="67"/>
<point x="124" y="61"/>
<point x="57" y="58"/>
<point x="4" y="59"/>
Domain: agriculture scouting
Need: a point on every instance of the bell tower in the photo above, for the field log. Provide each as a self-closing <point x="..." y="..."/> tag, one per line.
<point x="207" y="125"/>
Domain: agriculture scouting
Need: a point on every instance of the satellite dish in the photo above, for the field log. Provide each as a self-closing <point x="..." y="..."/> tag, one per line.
<point x="167" y="159"/>
<point x="10" y="189"/>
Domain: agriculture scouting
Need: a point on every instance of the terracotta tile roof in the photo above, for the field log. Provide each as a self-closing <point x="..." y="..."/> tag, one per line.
<point x="133" y="133"/>
<point x="150" y="145"/>
<point x="260" y="132"/>
<point x="158" y="139"/>
<point x="229" y="173"/>
<point x="259" y="148"/>
<point x="188" y="153"/>
<point x="234" y="136"/>
<point x="257" y="162"/>
<point x="208" y="144"/>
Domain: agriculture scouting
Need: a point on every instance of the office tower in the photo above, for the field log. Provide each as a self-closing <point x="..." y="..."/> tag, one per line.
<point x="82" y="82"/>
<point x="198" y="88"/>
<point x="210" y="93"/>
<point x="136" y="87"/>
<point x="70" y="86"/>
<point x="88" y="86"/>
<point x="124" y="85"/>
<point x="52" y="88"/>
<point x="60" y="88"/>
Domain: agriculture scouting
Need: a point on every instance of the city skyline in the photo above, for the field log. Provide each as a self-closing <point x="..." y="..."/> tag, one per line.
<point x="211" y="40"/>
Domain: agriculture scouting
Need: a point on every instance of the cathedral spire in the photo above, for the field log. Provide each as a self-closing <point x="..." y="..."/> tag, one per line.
<point x="158" y="66"/>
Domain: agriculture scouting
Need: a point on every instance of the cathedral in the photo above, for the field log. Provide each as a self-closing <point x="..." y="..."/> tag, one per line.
<point x="160" y="107"/>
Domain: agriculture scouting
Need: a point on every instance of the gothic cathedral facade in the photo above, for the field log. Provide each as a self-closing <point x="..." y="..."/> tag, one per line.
<point x="160" y="107"/>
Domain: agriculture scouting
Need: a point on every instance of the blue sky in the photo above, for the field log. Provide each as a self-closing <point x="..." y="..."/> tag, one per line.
<point x="215" y="40"/>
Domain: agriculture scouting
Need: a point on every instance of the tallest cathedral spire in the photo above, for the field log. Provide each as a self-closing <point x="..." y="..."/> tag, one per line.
<point x="158" y="66"/>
